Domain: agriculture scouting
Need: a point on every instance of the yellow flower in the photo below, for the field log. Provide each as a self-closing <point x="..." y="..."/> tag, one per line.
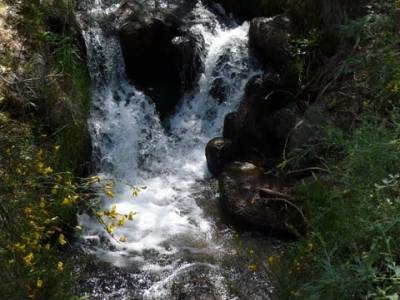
<point x="131" y="215"/>
<point x="54" y="190"/>
<point x="110" y="229"/>
<point x="61" y="240"/>
<point x="39" y="283"/>
<point x="270" y="260"/>
<point x="48" y="170"/>
<point x="40" y="166"/>
<point x="60" y="266"/>
<point x="66" y="201"/>
<point x="109" y="193"/>
<point x="28" y="211"/>
<point x="47" y="246"/>
<point x="42" y="203"/>
<point x="113" y="212"/>
<point x="135" y="192"/>
<point x="253" y="268"/>
<point x="121" y="221"/>
<point x="20" y="247"/>
<point x="28" y="259"/>
<point x="95" y="178"/>
<point x="123" y="239"/>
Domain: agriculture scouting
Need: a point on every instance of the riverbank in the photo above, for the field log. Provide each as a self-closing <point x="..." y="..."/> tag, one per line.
<point x="44" y="145"/>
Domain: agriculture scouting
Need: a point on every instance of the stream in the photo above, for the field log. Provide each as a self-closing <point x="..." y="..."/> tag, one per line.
<point x="179" y="245"/>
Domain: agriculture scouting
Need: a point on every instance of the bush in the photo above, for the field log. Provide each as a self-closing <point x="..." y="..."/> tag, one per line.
<point x="351" y="248"/>
<point x="44" y="144"/>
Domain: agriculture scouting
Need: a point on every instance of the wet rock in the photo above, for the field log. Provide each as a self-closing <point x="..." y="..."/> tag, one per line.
<point x="161" y="56"/>
<point x="264" y="96"/>
<point x="233" y="126"/>
<point x="219" y="151"/>
<point x="219" y="90"/>
<point x="270" y="38"/>
<point x="197" y="283"/>
<point x="240" y="186"/>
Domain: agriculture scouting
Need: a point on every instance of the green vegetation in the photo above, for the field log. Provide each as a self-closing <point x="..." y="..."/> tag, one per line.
<point x="44" y="145"/>
<point x="351" y="249"/>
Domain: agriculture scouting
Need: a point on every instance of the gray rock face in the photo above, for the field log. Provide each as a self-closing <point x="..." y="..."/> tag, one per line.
<point x="219" y="152"/>
<point x="240" y="185"/>
<point x="270" y="39"/>
<point x="161" y="56"/>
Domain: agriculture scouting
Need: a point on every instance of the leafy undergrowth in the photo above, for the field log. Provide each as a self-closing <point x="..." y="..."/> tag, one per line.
<point x="37" y="216"/>
<point x="352" y="248"/>
<point x="44" y="145"/>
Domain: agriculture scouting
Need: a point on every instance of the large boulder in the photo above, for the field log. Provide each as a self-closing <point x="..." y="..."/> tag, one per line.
<point x="161" y="56"/>
<point x="281" y="123"/>
<point x="219" y="152"/>
<point x="233" y="126"/>
<point x="270" y="38"/>
<point x="242" y="197"/>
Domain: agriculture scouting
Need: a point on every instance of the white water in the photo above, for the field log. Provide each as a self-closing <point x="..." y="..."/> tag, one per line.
<point x="133" y="148"/>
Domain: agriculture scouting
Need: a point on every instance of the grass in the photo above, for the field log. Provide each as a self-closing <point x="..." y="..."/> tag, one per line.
<point x="44" y="145"/>
<point x="351" y="249"/>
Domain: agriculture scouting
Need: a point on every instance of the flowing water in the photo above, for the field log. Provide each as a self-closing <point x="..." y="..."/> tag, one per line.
<point x="177" y="247"/>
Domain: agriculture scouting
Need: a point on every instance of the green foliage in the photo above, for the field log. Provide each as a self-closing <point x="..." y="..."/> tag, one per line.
<point x="44" y="142"/>
<point x="376" y="62"/>
<point x="351" y="250"/>
<point x="34" y="216"/>
<point x="53" y="82"/>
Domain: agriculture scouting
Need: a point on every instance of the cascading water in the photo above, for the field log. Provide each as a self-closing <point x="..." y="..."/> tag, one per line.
<point x="176" y="245"/>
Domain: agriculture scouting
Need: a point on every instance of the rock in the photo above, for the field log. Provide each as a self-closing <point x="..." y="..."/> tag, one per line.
<point x="264" y="96"/>
<point x="233" y="126"/>
<point x="199" y="282"/>
<point x="219" y="90"/>
<point x="309" y="129"/>
<point x="240" y="184"/>
<point x="270" y="38"/>
<point x="219" y="152"/>
<point x="161" y="56"/>
<point x="281" y="123"/>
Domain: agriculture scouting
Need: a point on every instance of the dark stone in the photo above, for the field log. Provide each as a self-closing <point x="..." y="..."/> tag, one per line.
<point x="233" y="126"/>
<point x="240" y="185"/>
<point x="309" y="133"/>
<point x="264" y="96"/>
<point x="161" y="56"/>
<point x="280" y="124"/>
<point x="270" y="38"/>
<point x="219" y="90"/>
<point x="219" y="152"/>
<point x="196" y="283"/>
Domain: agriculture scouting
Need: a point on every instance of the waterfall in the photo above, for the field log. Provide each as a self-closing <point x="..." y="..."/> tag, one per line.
<point x="172" y="234"/>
